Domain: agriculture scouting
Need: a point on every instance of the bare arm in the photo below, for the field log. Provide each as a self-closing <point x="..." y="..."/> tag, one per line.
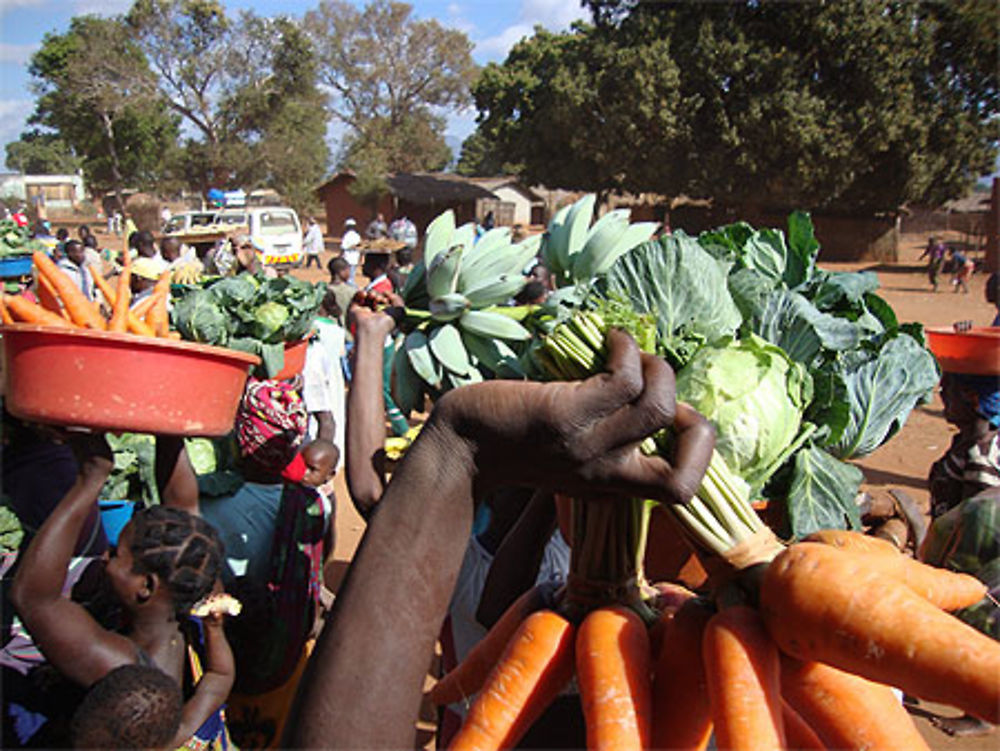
<point x="366" y="410"/>
<point x="215" y="684"/>
<point x="517" y="560"/>
<point x="71" y="640"/>
<point x="371" y="657"/>
<point x="176" y="480"/>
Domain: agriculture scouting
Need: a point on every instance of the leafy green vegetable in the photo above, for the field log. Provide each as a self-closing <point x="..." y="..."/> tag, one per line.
<point x="882" y="388"/>
<point x="11" y="532"/>
<point x="822" y="493"/>
<point x="790" y="321"/>
<point x="199" y="317"/>
<point x="269" y="322"/>
<point x="755" y="395"/>
<point x="17" y="241"/>
<point x="250" y="314"/>
<point x="133" y="477"/>
<point x="682" y="286"/>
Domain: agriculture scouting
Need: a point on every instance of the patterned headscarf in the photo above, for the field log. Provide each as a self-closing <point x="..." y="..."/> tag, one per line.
<point x="271" y="424"/>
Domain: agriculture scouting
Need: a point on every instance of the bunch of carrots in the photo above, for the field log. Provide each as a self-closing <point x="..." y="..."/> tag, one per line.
<point x="840" y="618"/>
<point x="63" y="304"/>
<point x="797" y="647"/>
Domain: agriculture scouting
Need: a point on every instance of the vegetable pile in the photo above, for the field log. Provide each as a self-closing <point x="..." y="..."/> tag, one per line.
<point x="248" y="313"/>
<point x="798" y="369"/>
<point x="63" y="304"/>
<point x="16" y="240"/>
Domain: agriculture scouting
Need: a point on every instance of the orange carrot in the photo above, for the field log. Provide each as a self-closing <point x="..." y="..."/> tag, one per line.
<point x="157" y="317"/>
<point x="744" y="685"/>
<point x="536" y="665"/>
<point x="141" y="309"/>
<point x="825" y="605"/>
<point x="81" y="311"/>
<point x="103" y="287"/>
<point x="798" y="734"/>
<point x="682" y="716"/>
<point x="119" y="308"/>
<point x="48" y="298"/>
<point x="5" y="315"/>
<point x="133" y="322"/>
<point x="22" y="310"/>
<point x="612" y="667"/>
<point x="946" y="589"/>
<point x="468" y="676"/>
<point x="845" y="710"/>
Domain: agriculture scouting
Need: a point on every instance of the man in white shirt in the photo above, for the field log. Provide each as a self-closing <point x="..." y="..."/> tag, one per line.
<point x="313" y="243"/>
<point x="349" y="250"/>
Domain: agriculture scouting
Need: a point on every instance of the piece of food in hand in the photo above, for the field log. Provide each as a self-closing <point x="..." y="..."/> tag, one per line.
<point x="220" y="603"/>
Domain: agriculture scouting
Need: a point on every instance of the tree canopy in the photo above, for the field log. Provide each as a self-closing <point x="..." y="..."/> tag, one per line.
<point x="95" y="91"/>
<point x="852" y="105"/>
<point x="389" y="76"/>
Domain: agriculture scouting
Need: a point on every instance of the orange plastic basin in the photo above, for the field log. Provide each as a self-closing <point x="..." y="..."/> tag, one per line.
<point x="106" y="381"/>
<point x="976" y="351"/>
<point x="295" y="359"/>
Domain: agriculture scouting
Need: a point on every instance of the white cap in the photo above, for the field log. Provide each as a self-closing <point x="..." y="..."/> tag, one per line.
<point x="349" y="222"/>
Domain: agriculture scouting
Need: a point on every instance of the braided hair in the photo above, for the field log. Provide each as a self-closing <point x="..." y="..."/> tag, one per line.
<point x="183" y="550"/>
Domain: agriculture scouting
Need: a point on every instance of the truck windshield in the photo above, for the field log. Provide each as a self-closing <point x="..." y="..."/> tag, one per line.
<point x="277" y="223"/>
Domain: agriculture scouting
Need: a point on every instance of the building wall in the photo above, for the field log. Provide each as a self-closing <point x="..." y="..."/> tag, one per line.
<point x="339" y="204"/>
<point x="841" y="238"/>
<point x="59" y="191"/>
<point x="522" y="204"/>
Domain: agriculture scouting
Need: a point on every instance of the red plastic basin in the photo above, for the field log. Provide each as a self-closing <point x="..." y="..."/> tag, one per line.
<point x="106" y="381"/>
<point x="976" y="351"/>
<point x="295" y="359"/>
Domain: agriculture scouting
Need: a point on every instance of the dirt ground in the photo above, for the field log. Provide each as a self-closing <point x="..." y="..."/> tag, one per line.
<point x="901" y="463"/>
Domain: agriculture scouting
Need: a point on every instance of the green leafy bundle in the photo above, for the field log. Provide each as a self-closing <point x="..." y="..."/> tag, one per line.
<point x="248" y="313"/>
<point x="720" y="294"/>
<point x="16" y="240"/>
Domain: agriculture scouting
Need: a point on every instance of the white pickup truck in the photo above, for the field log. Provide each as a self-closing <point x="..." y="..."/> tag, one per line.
<point x="274" y="228"/>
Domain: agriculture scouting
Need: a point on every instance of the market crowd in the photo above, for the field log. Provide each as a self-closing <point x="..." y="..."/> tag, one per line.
<point x="101" y="646"/>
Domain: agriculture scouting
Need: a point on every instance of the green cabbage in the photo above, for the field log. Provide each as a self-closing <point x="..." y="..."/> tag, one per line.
<point x="269" y="322"/>
<point x="199" y="317"/>
<point x="754" y="395"/>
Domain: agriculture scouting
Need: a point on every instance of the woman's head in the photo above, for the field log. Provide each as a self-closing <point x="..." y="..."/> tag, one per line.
<point x="270" y="426"/>
<point x="183" y="552"/>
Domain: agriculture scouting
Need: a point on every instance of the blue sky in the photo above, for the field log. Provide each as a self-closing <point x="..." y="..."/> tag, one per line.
<point x="493" y="26"/>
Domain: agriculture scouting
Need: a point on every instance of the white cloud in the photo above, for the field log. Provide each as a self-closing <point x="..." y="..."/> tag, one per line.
<point x="17" y="53"/>
<point x="554" y="15"/>
<point x="6" y="5"/>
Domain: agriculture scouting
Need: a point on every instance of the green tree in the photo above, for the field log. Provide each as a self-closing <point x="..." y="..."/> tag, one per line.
<point x="390" y="76"/>
<point x="276" y="117"/>
<point x="96" y="92"/>
<point x="40" y="153"/>
<point x="852" y="105"/>
<point x="480" y="157"/>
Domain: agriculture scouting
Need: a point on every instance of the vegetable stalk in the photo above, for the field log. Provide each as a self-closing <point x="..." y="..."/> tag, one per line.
<point x="718" y="521"/>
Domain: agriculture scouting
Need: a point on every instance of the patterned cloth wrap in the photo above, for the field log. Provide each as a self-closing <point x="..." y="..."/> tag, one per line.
<point x="271" y="423"/>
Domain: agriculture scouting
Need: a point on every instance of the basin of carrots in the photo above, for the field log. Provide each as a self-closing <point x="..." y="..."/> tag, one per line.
<point x="67" y="363"/>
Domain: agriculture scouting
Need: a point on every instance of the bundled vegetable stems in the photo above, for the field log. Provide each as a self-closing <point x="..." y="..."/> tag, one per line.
<point x="803" y="657"/>
<point x="63" y="304"/>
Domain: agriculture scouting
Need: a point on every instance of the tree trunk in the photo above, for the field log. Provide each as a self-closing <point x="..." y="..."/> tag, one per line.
<point x="116" y="173"/>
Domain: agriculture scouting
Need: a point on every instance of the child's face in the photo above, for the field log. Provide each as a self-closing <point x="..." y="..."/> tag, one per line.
<point x="119" y="568"/>
<point x="319" y="469"/>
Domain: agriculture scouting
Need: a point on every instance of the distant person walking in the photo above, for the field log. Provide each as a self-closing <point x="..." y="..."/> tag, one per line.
<point x="349" y="249"/>
<point x="934" y="253"/>
<point x="313" y="243"/>
<point x="377" y="229"/>
<point x="962" y="268"/>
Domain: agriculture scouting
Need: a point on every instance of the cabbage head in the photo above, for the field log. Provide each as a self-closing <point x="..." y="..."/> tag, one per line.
<point x="199" y="317"/>
<point x="269" y="322"/>
<point x="754" y="395"/>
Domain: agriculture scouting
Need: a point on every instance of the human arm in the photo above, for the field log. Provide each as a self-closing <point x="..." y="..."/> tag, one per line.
<point x="581" y="437"/>
<point x="215" y="684"/>
<point x="517" y="560"/>
<point x="176" y="480"/>
<point x="365" y="434"/>
<point x="71" y="640"/>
